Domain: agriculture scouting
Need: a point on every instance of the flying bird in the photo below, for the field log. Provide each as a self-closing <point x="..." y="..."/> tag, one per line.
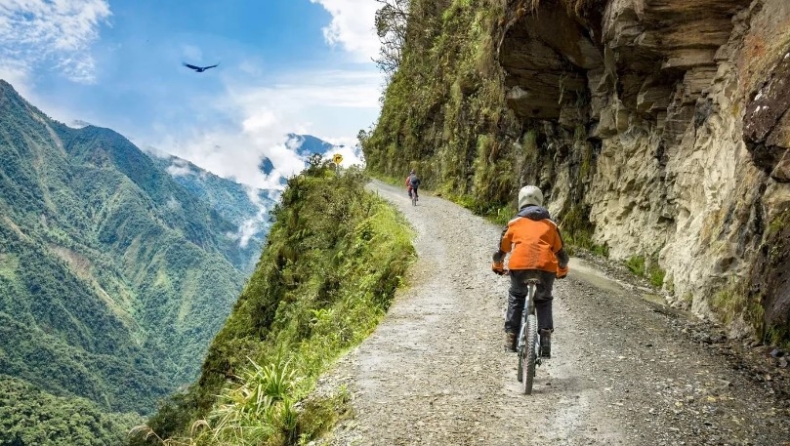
<point x="199" y="69"/>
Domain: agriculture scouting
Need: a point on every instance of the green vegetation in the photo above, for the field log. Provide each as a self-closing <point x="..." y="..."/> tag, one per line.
<point x="656" y="275"/>
<point x="765" y="302"/>
<point x="260" y="410"/>
<point x="651" y="270"/>
<point x="443" y="103"/>
<point x="30" y="417"/>
<point x="332" y="262"/>
<point x="499" y="215"/>
<point x="576" y="227"/>
<point x="445" y="113"/>
<point x="733" y="301"/>
<point x="229" y="199"/>
<point x="113" y="277"/>
<point x="636" y="264"/>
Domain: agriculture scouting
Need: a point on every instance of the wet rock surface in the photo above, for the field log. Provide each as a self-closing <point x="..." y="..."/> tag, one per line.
<point x="625" y="371"/>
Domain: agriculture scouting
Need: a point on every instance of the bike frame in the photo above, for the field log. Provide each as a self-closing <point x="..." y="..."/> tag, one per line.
<point x="529" y="308"/>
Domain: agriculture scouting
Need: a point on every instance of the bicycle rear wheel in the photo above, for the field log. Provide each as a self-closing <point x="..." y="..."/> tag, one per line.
<point x="530" y="354"/>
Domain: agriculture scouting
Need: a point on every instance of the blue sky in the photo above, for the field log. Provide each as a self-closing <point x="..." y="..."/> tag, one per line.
<point x="286" y="66"/>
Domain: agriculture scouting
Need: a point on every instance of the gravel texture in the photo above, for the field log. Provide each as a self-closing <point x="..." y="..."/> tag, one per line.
<point x="626" y="370"/>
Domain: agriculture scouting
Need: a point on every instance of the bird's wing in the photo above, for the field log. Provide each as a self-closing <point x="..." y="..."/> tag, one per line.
<point x="211" y="66"/>
<point x="191" y="66"/>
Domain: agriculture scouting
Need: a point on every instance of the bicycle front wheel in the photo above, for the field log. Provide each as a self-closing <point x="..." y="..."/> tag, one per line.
<point x="520" y="352"/>
<point x="530" y="354"/>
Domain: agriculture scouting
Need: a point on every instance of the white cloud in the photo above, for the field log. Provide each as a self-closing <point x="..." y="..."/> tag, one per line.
<point x="58" y="33"/>
<point x="248" y="229"/>
<point x="324" y="104"/>
<point x="352" y="26"/>
<point x="350" y="155"/>
<point x="179" y="168"/>
<point x="252" y="226"/>
<point x="16" y="74"/>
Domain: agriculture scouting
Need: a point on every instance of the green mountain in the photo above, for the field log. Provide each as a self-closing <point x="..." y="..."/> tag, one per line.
<point x="114" y="277"/>
<point x="29" y="416"/>
<point x="245" y="207"/>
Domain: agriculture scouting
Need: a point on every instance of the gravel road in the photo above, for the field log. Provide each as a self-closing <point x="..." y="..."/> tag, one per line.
<point x="622" y="373"/>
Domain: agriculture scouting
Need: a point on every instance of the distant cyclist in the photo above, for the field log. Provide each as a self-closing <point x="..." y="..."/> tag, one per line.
<point x="412" y="184"/>
<point x="536" y="251"/>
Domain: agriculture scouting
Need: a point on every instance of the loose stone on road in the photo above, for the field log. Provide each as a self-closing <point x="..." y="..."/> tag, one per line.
<point x="434" y="372"/>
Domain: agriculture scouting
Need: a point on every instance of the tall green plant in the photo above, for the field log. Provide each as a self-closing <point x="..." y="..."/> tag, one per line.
<point x="333" y="260"/>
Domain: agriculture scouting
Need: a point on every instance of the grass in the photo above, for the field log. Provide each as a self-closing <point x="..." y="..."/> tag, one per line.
<point x="731" y="301"/>
<point x="601" y="250"/>
<point x="262" y="411"/>
<point x="656" y="276"/>
<point x="333" y="260"/>
<point x="577" y="230"/>
<point x="636" y="264"/>
<point x="389" y="179"/>
<point x="497" y="214"/>
<point x="650" y="270"/>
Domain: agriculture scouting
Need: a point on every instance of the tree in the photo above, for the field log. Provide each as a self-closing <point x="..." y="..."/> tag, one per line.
<point x="391" y="22"/>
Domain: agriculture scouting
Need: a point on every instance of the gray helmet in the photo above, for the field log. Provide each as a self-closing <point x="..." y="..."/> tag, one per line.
<point x="530" y="195"/>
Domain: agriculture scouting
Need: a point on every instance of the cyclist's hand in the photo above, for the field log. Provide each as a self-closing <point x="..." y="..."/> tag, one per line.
<point x="498" y="268"/>
<point x="498" y="257"/>
<point x="562" y="273"/>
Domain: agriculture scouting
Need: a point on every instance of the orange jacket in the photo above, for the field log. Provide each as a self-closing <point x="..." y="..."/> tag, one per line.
<point x="534" y="242"/>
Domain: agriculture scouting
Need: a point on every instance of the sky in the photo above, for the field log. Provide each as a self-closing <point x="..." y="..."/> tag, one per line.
<point x="286" y="66"/>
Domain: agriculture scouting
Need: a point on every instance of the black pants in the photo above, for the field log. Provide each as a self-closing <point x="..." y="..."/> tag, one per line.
<point x="518" y="295"/>
<point x="413" y="190"/>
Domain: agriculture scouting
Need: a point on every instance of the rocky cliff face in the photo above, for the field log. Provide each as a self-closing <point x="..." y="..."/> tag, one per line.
<point x="687" y="102"/>
<point x="659" y="128"/>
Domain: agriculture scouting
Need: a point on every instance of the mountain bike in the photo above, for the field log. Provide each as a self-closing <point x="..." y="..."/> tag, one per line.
<point x="528" y="349"/>
<point x="413" y="196"/>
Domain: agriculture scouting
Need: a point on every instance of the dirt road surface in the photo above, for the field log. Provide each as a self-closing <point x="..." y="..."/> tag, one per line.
<point x="435" y="373"/>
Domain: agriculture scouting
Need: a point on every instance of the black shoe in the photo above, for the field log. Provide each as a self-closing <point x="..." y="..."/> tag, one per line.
<point x="545" y="344"/>
<point x="510" y="341"/>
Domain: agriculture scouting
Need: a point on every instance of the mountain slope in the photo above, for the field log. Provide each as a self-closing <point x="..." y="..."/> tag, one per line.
<point x="29" y="416"/>
<point x="657" y="132"/>
<point x="306" y="145"/>
<point x="332" y="262"/>
<point x="113" y="277"/>
<point x="245" y="207"/>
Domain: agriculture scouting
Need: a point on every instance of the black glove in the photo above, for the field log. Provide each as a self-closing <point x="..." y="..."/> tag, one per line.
<point x="499" y="257"/>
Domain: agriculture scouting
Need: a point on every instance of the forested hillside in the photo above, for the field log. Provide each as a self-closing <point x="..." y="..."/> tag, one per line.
<point x="247" y="208"/>
<point x="30" y="416"/>
<point x="113" y="277"/>
<point x="332" y="261"/>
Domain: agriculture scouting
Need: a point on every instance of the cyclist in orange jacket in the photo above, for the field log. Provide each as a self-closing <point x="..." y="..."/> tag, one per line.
<point x="536" y="252"/>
